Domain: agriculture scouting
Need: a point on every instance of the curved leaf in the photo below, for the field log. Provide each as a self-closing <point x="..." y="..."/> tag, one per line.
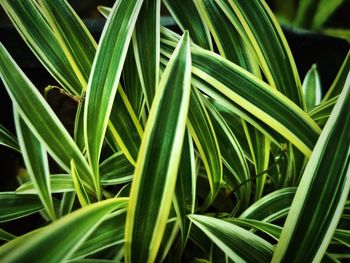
<point x="310" y="224"/>
<point x="36" y="162"/>
<point x="157" y="165"/>
<point x="13" y="206"/>
<point x="187" y="17"/>
<point x="239" y="244"/>
<point x="104" y="78"/>
<point x="41" y="119"/>
<point x="58" y="242"/>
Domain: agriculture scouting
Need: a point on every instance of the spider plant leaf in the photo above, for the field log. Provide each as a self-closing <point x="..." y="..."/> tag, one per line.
<point x="67" y="202"/>
<point x="33" y="27"/>
<point x="322" y="111"/>
<point x="116" y="169"/>
<point x="227" y="39"/>
<point x="270" y="207"/>
<point x="252" y="95"/>
<point x="312" y="88"/>
<point x="239" y="244"/>
<point x="8" y="139"/>
<point x="260" y="29"/>
<point x="259" y="146"/>
<point x="203" y="134"/>
<point x="124" y="127"/>
<point x="132" y="83"/>
<point x="6" y="236"/>
<point x="231" y="45"/>
<point x="272" y="230"/>
<point x="343" y="236"/>
<point x="187" y="17"/>
<point x="146" y="46"/>
<point x="170" y="234"/>
<point x="78" y="186"/>
<point x="157" y="164"/>
<point x="108" y="234"/>
<point x="41" y="119"/>
<point x="219" y="73"/>
<point x="74" y="38"/>
<point x="340" y="79"/>
<point x="59" y="183"/>
<point x="13" y="206"/>
<point x="185" y="190"/>
<point x="57" y="242"/>
<point x="104" y="78"/>
<point x="326" y="174"/>
<point x="232" y="155"/>
<point x="36" y="162"/>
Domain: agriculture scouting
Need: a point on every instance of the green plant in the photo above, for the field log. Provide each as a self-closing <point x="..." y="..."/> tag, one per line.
<point x="208" y="157"/>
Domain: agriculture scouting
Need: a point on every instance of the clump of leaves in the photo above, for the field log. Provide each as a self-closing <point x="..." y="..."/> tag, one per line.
<point x="213" y="151"/>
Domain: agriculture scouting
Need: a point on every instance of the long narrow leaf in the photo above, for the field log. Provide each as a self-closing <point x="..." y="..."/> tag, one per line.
<point x="185" y="191"/>
<point x="157" y="165"/>
<point x="261" y="30"/>
<point x="146" y="44"/>
<point x="13" y="206"/>
<point x="187" y="17"/>
<point x="41" y="119"/>
<point x="57" y="242"/>
<point x="104" y="78"/>
<point x="203" y="134"/>
<point x="312" y="88"/>
<point x="34" y="29"/>
<point x="36" y="162"/>
<point x="238" y="244"/>
<point x="8" y="140"/>
<point x="310" y="224"/>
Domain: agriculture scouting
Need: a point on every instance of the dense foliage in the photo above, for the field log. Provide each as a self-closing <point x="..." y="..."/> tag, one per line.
<point x="203" y="147"/>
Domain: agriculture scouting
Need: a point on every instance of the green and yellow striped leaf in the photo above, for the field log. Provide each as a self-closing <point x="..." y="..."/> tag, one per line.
<point x="159" y="157"/>
<point x="57" y="242"/>
<point x="41" y="119"/>
<point x="14" y="206"/>
<point x="146" y="47"/>
<point x="227" y="39"/>
<point x="78" y="186"/>
<point x="32" y="24"/>
<point x="203" y="134"/>
<point x="238" y="86"/>
<point x="238" y="244"/>
<point x="104" y="78"/>
<point x="75" y="40"/>
<point x="310" y="224"/>
<point x="272" y="206"/>
<point x="7" y="139"/>
<point x="312" y="90"/>
<point x="187" y="18"/>
<point x="260" y="29"/>
<point x="185" y="190"/>
<point x="36" y="162"/>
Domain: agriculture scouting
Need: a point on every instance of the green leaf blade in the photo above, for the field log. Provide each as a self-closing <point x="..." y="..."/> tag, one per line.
<point x="57" y="241"/>
<point x="41" y="119"/>
<point x="156" y="168"/>
<point x="238" y="244"/>
<point x="104" y="78"/>
<point x="331" y="157"/>
<point x="36" y="162"/>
